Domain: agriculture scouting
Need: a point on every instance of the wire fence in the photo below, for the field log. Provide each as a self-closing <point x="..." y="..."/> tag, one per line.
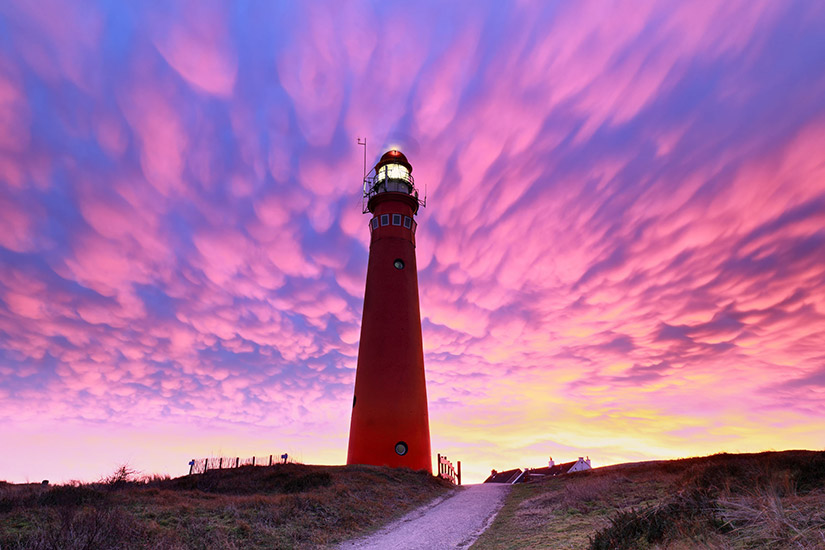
<point x="446" y="470"/>
<point x="201" y="465"/>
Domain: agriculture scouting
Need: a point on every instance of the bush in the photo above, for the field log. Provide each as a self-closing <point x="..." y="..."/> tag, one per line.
<point x="121" y="477"/>
<point x="70" y="495"/>
<point x="86" y="528"/>
<point x="811" y="474"/>
<point x="284" y="506"/>
<point x="307" y="482"/>
<point x="685" y="514"/>
<point x="627" y="529"/>
<point x="7" y="504"/>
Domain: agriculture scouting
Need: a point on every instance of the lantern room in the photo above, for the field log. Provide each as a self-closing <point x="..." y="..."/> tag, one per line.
<point x="392" y="174"/>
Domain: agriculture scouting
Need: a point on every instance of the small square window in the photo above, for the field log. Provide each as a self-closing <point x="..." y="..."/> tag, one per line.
<point x="385" y="219"/>
<point x="396" y="219"/>
<point x="407" y="222"/>
<point x="374" y="223"/>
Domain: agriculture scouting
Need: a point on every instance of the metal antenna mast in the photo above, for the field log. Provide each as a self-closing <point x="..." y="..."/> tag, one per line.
<point x="364" y="143"/>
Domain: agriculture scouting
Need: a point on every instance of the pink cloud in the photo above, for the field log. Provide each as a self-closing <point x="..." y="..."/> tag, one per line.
<point x="111" y="216"/>
<point x="60" y="39"/>
<point x="224" y="253"/>
<point x="314" y="76"/>
<point x="199" y="49"/>
<point x="279" y="157"/>
<point x="101" y="264"/>
<point x="437" y="102"/>
<point x="378" y="99"/>
<point x="16" y="225"/>
<point x="160" y="133"/>
<point x="111" y="135"/>
<point x="14" y="110"/>
<point x="26" y="306"/>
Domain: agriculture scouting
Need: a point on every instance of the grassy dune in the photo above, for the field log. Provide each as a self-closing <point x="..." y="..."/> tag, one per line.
<point x="282" y="506"/>
<point x="767" y="500"/>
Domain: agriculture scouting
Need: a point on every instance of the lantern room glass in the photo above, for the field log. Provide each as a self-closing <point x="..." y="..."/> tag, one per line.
<point x="393" y="177"/>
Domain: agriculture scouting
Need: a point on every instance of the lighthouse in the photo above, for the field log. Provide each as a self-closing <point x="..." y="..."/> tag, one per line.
<point x="390" y="424"/>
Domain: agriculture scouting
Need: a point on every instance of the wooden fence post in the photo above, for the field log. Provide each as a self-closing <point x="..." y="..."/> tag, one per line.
<point x="459" y="472"/>
<point x="270" y="460"/>
<point x="220" y="463"/>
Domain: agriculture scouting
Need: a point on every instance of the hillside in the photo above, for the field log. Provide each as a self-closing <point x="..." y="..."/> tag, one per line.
<point x="281" y="506"/>
<point x="726" y="501"/>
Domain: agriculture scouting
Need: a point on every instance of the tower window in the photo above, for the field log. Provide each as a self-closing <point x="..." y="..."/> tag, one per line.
<point x="374" y="223"/>
<point x="398" y="263"/>
<point x="407" y="222"/>
<point x="396" y="219"/>
<point x="401" y="448"/>
<point x="385" y="219"/>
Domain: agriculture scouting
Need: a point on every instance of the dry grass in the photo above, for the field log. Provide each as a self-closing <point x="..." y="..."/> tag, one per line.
<point x="766" y="500"/>
<point x="283" y="506"/>
<point x="766" y="519"/>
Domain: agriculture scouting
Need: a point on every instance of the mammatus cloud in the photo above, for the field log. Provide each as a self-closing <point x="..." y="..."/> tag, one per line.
<point x="621" y="254"/>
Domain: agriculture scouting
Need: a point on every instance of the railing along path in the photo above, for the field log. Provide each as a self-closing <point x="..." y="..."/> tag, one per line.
<point x="447" y="471"/>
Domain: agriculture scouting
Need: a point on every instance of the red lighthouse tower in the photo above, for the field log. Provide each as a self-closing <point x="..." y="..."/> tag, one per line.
<point x="390" y="424"/>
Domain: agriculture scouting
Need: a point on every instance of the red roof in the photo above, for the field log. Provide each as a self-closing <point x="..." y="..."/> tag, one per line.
<point x="504" y="477"/>
<point x="556" y="470"/>
<point x="394" y="156"/>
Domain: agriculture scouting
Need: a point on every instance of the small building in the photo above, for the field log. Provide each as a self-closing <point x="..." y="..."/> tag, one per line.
<point x="551" y="470"/>
<point x="509" y="476"/>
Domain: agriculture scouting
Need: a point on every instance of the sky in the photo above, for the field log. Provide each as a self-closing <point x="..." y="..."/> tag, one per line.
<point x="622" y="254"/>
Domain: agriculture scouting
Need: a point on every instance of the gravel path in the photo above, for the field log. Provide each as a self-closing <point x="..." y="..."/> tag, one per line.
<point x="452" y="522"/>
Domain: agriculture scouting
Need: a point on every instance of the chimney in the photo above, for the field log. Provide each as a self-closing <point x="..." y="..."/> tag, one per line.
<point x="550" y="462"/>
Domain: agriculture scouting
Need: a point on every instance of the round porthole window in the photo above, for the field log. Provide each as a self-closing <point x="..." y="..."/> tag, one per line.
<point x="401" y="448"/>
<point x="399" y="263"/>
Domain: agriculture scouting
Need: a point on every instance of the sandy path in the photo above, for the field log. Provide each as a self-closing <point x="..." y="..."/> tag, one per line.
<point x="452" y="522"/>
